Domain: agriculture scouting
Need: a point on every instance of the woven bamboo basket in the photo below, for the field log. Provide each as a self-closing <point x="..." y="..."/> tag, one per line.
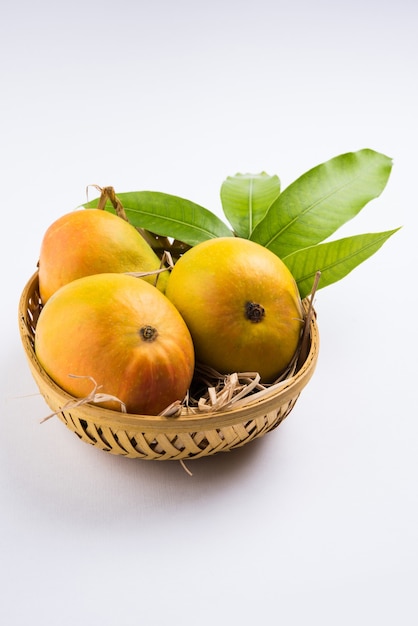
<point x="182" y="437"/>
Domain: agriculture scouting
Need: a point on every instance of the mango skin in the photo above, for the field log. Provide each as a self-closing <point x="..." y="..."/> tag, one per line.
<point x="216" y="284"/>
<point x="121" y="333"/>
<point x="92" y="241"/>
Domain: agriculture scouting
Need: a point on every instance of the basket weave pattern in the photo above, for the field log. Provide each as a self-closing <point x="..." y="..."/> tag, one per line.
<point x="156" y="437"/>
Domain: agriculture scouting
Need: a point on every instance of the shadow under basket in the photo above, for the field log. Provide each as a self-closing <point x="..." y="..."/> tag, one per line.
<point x="187" y="436"/>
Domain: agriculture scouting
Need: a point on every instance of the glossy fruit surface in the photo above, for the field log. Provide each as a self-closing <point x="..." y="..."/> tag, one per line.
<point x="92" y="241"/>
<point x="122" y="333"/>
<point x="241" y="305"/>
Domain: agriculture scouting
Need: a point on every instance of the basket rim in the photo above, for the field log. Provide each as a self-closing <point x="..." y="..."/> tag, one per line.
<point x="289" y="389"/>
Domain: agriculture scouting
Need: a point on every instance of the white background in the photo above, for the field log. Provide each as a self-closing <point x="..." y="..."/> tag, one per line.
<point x="315" y="523"/>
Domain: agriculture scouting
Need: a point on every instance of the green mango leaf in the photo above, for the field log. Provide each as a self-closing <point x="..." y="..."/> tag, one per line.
<point x="169" y="216"/>
<point x="334" y="259"/>
<point x="315" y="205"/>
<point x="246" y="198"/>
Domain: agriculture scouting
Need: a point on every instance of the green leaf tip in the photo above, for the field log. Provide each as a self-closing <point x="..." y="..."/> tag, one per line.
<point x="246" y="198"/>
<point x="334" y="259"/>
<point x="320" y="201"/>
